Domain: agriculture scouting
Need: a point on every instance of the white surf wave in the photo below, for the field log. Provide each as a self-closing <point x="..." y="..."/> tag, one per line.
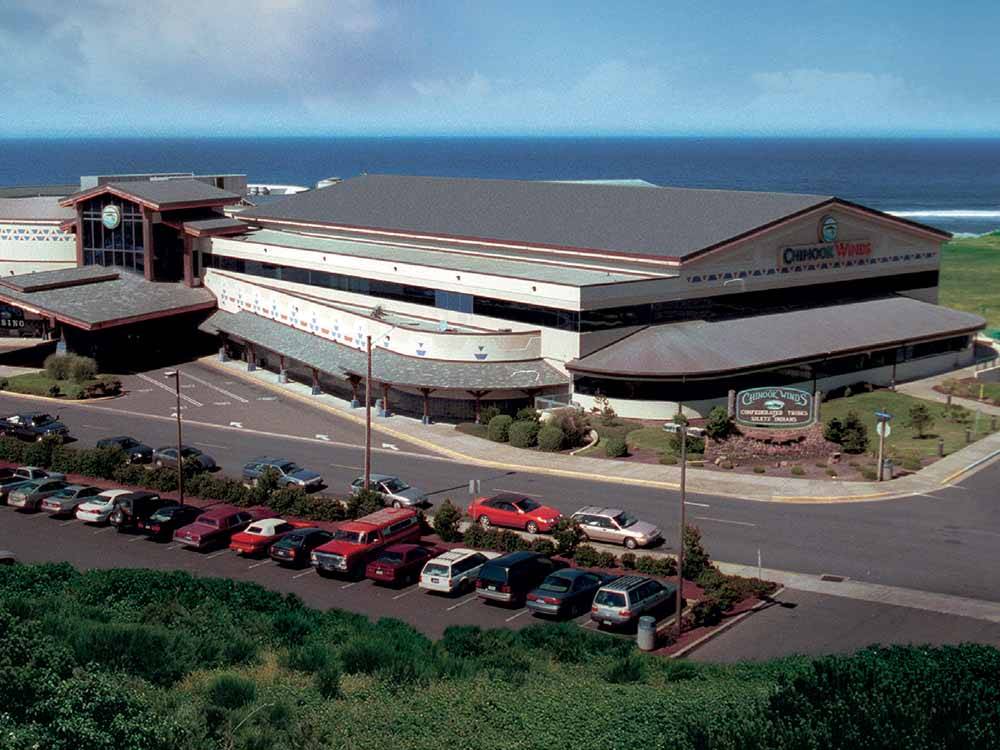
<point x="961" y="213"/>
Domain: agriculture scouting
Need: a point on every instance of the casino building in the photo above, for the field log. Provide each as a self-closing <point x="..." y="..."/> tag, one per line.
<point x="494" y="291"/>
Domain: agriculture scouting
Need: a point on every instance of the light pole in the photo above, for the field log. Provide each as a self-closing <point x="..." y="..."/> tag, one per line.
<point x="368" y="417"/>
<point x="684" y="430"/>
<point x="176" y="375"/>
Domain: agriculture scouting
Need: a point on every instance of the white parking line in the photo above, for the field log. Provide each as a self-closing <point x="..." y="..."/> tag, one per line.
<point x="222" y="403"/>
<point x="299" y="575"/>
<point x="697" y="505"/>
<point x="514" y="617"/>
<point x="405" y="593"/>
<point x="106" y="528"/>
<point x="214" y="445"/>
<point x="723" y="520"/>
<point x="347" y="586"/>
<point x="463" y="602"/>
<point x="136" y="539"/>
<point x="168" y="389"/>
<point x="214" y="387"/>
<point x="259" y="564"/>
<point x="94" y="426"/>
<point x="345" y="466"/>
<point x="173" y="546"/>
<point x="216" y="554"/>
<point x="67" y="523"/>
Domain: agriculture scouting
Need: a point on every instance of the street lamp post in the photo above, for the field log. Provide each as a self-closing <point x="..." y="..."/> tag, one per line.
<point x="683" y="430"/>
<point x="368" y="418"/>
<point x="176" y="375"/>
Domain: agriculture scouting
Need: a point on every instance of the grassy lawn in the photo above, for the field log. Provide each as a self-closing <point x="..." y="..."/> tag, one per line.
<point x="473" y="428"/>
<point x="903" y="439"/>
<point x="40" y="384"/>
<point x="649" y="438"/>
<point x="970" y="276"/>
<point x="973" y="388"/>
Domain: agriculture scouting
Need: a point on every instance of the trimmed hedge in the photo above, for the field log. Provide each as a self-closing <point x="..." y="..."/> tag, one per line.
<point x="615" y="447"/>
<point x="498" y="428"/>
<point x="551" y="439"/>
<point x="523" y="433"/>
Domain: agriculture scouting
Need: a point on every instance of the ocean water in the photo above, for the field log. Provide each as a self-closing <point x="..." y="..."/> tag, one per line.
<point x="951" y="184"/>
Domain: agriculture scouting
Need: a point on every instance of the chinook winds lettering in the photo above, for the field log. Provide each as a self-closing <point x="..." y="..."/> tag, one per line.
<point x="774" y="407"/>
<point x="826" y="251"/>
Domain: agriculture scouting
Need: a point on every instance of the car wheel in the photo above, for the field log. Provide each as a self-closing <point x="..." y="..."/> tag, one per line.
<point x="630" y="543"/>
<point x="323" y="573"/>
<point x="484" y="521"/>
<point x="531" y="528"/>
<point x="159" y="463"/>
<point x="396" y="504"/>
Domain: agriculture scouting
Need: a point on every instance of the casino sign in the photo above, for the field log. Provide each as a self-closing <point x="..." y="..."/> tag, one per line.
<point x="825" y="251"/>
<point x="775" y="407"/>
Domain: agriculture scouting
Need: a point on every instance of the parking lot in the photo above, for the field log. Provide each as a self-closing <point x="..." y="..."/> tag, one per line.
<point x="37" y="537"/>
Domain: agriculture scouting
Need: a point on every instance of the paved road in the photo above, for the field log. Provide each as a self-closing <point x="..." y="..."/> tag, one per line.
<point x="944" y="542"/>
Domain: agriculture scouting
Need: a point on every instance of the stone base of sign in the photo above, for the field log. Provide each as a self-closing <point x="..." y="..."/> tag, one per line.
<point x="749" y="444"/>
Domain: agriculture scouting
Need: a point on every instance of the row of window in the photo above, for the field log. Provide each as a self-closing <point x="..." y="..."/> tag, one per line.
<point x="723" y="307"/>
<point x="130" y="260"/>
<point x="700" y="390"/>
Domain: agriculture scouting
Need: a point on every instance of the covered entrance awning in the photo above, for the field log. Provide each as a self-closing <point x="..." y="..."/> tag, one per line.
<point x="706" y="349"/>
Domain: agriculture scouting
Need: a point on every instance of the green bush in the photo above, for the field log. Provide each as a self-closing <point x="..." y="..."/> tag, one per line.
<point x="567" y="535"/>
<point x="488" y="413"/>
<point x="498" y="428"/>
<point x="310" y="657"/>
<point x="606" y="560"/>
<point x="693" y="445"/>
<point x="328" y="681"/>
<point x="363" y="503"/>
<point x="625" y="670"/>
<point x="831" y="472"/>
<point x="668" y="459"/>
<point x="759" y="470"/>
<point x="851" y="433"/>
<point x="551" y="439"/>
<point x="529" y="413"/>
<point x="586" y="556"/>
<point x="798" y="471"/>
<point x="57" y="366"/>
<point x="696" y="559"/>
<point x="523" y="433"/>
<point x="446" y="521"/>
<point x="82" y="369"/>
<point x="628" y="560"/>
<point x="615" y="447"/>
<point x="664" y="567"/>
<point x="543" y="547"/>
<point x="719" y="424"/>
<point x="230" y="691"/>
<point x="869" y="474"/>
<point x="707" y="611"/>
<point x="499" y="540"/>
<point x="574" y="424"/>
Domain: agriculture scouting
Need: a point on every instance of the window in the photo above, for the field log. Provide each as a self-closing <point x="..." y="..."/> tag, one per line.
<point x="121" y="246"/>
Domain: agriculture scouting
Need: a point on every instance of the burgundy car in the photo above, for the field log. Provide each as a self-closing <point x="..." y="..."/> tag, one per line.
<point x="400" y="563"/>
<point x="215" y="527"/>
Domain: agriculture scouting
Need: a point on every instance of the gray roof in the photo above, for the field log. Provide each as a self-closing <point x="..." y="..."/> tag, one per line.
<point x="703" y="349"/>
<point x="390" y="367"/>
<point x="214" y="225"/>
<point x="165" y="192"/>
<point x="44" y="208"/>
<point x="642" y="221"/>
<point x="87" y="302"/>
<point x="33" y="191"/>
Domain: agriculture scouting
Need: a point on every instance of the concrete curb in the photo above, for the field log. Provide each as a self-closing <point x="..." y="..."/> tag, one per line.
<point x="50" y="399"/>
<point x="723" y="628"/>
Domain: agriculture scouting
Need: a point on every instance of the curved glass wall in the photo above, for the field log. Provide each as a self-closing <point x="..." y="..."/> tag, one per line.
<point x="113" y="237"/>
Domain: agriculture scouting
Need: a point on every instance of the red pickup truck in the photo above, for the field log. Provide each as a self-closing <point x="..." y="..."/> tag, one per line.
<point x="355" y="543"/>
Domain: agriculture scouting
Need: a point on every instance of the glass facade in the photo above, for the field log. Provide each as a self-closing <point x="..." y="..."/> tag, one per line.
<point x="722" y="307"/>
<point x="120" y="246"/>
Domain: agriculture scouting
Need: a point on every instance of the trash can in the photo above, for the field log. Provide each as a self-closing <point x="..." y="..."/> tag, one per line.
<point x="645" y="634"/>
<point x="887" y="468"/>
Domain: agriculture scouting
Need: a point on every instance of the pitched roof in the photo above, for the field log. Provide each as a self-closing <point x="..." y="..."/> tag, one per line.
<point x="387" y="366"/>
<point x="159" y="194"/>
<point x="41" y="208"/>
<point x="706" y="349"/>
<point x="616" y="219"/>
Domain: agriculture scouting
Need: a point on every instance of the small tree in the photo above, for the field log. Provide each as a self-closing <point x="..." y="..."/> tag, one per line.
<point x="834" y="431"/>
<point x="920" y="419"/>
<point x="603" y="409"/>
<point x="567" y="536"/>
<point x="719" y="424"/>
<point x="696" y="559"/>
<point x="855" y="434"/>
<point x="446" y="521"/>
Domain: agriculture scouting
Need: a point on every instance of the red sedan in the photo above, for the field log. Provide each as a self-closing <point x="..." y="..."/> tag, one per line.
<point x="514" y="511"/>
<point x="260" y="535"/>
<point x="400" y="563"/>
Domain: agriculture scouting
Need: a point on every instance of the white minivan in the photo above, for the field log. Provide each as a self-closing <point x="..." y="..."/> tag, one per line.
<point x="455" y="570"/>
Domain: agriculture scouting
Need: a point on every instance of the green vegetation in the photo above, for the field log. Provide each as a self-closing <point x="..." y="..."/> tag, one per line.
<point x="446" y="521"/>
<point x="973" y="389"/>
<point x="523" y="433"/>
<point x="498" y="428"/>
<point x="551" y="439"/>
<point x="615" y="447"/>
<point x="970" y="276"/>
<point x="949" y="423"/>
<point x="150" y="660"/>
<point x="65" y="376"/>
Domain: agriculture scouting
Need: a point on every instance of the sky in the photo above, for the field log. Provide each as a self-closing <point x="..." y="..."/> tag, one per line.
<point x="543" y="67"/>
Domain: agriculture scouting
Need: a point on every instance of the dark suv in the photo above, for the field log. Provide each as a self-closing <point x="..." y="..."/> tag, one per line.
<point x="510" y="577"/>
<point x="138" y="453"/>
<point x="134" y="508"/>
<point x="34" y="426"/>
<point x="162" y="523"/>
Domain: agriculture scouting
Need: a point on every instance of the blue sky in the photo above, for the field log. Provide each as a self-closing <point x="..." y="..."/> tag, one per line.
<point x="218" y="67"/>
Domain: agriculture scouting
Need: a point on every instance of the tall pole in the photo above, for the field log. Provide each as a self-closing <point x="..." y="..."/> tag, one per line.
<point x="180" y="455"/>
<point x="368" y="417"/>
<point x="680" y="549"/>
<point x="881" y="448"/>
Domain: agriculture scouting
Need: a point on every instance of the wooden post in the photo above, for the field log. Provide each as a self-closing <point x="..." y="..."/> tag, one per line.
<point x="147" y="244"/>
<point x="188" y="260"/>
<point x="478" y="395"/>
<point x="282" y="372"/>
<point x="354" y="380"/>
<point x="251" y="358"/>
<point x="385" y="400"/>
<point x="427" y="404"/>
<point x="316" y="390"/>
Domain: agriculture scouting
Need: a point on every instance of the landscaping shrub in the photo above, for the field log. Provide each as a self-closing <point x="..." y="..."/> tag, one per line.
<point x="869" y="474"/>
<point x="363" y="503"/>
<point x="669" y="460"/>
<point x="719" y="424"/>
<point x="920" y="419"/>
<point x="498" y="540"/>
<point x="230" y="691"/>
<point x="851" y="433"/>
<point x="694" y="445"/>
<point x="603" y="409"/>
<point x="759" y="470"/>
<point x="57" y="366"/>
<point x="627" y="669"/>
<point x="830" y="472"/>
<point x="498" y="428"/>
<point x="798" y="471"/>
<point x="586" y="556"/>
<point x="543" y="546"/>
<point x="911" y="463"/>
<point x="606" y="560"/>
<point x="615" y="447"/>
<point x="523" y="433"/>
<point x="695" y="557"/>
<point x="488" y="413"/>
<point x="551" y="439"/>
<point x="82" y="369"/>
<point x="311" y="657"/>
<point x="726" y="465"/>
<point x="529" y="413"/>
<point x="574" y="424"/>
<point x="628" y="560"/>
<point x="446" y="521"/>
<point x="567" y="535"/>
<point x="656" y="566"/>
<point x="328" y="681"/>
<point x="707" y="611"/>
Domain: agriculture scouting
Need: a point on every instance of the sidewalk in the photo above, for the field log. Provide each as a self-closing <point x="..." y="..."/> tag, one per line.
<point x="446" y="440"/>
<point x="925" y="389"/>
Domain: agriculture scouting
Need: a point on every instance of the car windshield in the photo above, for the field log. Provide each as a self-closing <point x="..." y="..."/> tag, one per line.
<point x="161" y="515"/>
<point x="288" y="468"/>
<point x="41" y="419"/>
<point x="65" y="492"/>
<point x="390" y="557"/>
<point x="396" y="485"/>
<point x="610" y="598"/>
<point x="127" y="443"/>
<point x="624" y="520"/>
<point x="527" y="505"/>
<point x="189" y="452"/>
<point x="354" y="537"/>
<point x="256" y="530"/>
<point x="436" y="569"/>
<point x="556" y="584"/>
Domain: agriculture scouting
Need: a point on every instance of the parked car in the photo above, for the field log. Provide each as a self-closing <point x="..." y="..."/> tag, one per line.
<point x="294" y="547"/>
<point x="566" y="593"/>
<point x="400" y="563"/>
<point x="162" y="523"/>
<point x="99" y="508"/>
<point x="134" y="508"/>
<point x="138" y="453"/>
<point x="394" y="490"/>
<point x="355" y="543"/>
<point x="69" y="498"/>
<point x="258" y="536"/>
<point x="615" y="526"/>
<point x="214" y="528"/>
<point x="288" y="472"/>
<point x="510" y="577"/>
<point x="455" y="570"/>
<point x="623" y="601"/>
<point x="514" y="511"/>
<point x="167" y="456"/>
<point x="7" y="557"/>
<point x="22" y="475"/>
<point x="33" y="426"/>
<point x="29" y="496"/>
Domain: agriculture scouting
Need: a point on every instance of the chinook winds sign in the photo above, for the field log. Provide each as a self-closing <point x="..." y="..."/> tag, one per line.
<point x="774" y="407"/>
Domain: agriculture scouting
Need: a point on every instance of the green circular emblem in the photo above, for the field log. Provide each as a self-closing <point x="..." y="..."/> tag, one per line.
<point x="828" y="229"/>
<point x="111" y="216"/>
